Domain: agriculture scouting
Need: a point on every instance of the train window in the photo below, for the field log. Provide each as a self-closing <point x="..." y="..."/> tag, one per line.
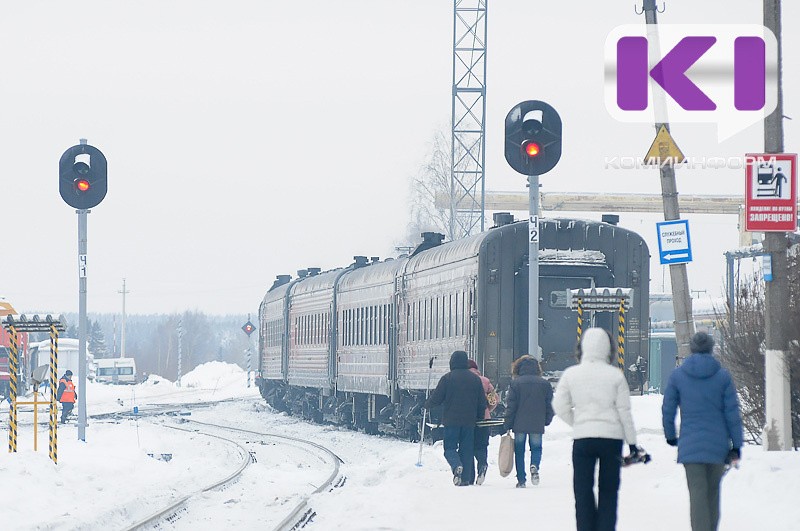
<point x="440" y="317"/>
<point x="420" y="319"/>
<point x="424" y="320"/>
<point x="455" y="314"/>
<point x="428" y="319"/>
<point x="371" y="336"/>
<point x="435" y="320"/>
<point x="364" y="327"/>
<point x="380" y="324"/>
<point x="360" y="326"/>
<point x="446" y="322"/>
<point x="350" y="327"/>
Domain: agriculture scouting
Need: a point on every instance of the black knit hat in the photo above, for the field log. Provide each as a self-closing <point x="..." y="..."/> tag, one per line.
<point x="701" y="343"/>
<point x="68" y="373"/>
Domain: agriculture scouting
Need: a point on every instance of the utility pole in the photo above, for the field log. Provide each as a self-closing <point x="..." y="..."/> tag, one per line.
<point x="122" y="340"/>
<point x="681" y="297"/>
<point x="180" y="349"/>
<point x="778" y="430"/>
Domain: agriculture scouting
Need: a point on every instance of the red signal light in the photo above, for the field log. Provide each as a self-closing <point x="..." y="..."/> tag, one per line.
<point x="532" y="149"/>
<point x="82" y="185"/>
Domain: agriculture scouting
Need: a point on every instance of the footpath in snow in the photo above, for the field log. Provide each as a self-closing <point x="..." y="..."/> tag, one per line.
<point x="110" y="481"/>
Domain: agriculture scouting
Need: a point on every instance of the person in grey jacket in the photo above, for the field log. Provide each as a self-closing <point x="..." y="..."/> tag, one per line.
<point x="711" y="427"/>
<point x="529" y="410"/>
<point x="594" y="399"/>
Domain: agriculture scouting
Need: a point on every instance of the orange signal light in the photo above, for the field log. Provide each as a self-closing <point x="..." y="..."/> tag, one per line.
<point x="532" y="149"/>
<point x="82" y="185"/>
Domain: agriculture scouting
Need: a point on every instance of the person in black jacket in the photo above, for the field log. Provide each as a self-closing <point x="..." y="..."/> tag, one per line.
<point x="460" y="392"/>
<point x="528" y="411"/>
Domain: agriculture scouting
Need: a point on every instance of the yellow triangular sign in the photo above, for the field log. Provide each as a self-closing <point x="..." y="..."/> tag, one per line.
<point x="664" y="150"/>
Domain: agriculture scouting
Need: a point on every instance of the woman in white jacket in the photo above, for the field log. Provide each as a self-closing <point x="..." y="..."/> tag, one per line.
<point x="594" y="399"/>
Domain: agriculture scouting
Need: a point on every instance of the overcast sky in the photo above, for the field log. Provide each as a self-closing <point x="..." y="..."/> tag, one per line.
<point x="247" y="139"/>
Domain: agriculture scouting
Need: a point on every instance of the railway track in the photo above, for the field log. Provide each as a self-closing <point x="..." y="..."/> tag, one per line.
<point x="299" y="513"/>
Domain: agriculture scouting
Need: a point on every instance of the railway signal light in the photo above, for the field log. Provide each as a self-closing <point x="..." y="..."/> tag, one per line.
<point x="82" y="176"/>
<point x="533" y="137"/>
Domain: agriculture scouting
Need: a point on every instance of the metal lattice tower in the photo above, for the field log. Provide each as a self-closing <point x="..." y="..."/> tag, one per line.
<point x="468" y="141"/>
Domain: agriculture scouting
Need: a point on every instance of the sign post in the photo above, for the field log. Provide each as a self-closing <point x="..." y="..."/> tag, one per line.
<point x="248" y="329"/>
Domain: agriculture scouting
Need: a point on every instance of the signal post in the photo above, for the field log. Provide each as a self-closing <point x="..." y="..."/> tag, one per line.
<point x="532" y="148"/>
<point x="83" y="184"/>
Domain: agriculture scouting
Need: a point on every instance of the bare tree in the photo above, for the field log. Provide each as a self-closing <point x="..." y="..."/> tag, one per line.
<point x="431" y="191"/>
<point x="432" y="179"/>
<point x="743" y="350"/>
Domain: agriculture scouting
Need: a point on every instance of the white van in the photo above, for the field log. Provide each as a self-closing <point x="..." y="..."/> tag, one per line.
<point x="116" y="370"/>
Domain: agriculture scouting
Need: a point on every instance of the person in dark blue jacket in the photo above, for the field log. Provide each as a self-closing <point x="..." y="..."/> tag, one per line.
<point x="711" y="427"/>
<point x="460" y="392"/>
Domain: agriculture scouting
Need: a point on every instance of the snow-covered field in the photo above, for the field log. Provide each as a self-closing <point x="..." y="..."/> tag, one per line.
<point x="110" y="481"/>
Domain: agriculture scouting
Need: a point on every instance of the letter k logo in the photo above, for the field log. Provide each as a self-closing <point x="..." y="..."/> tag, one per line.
<point x="670" y="73"/>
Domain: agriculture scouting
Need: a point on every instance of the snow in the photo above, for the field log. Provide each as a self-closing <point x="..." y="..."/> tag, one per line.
<point x="109" y="481"/>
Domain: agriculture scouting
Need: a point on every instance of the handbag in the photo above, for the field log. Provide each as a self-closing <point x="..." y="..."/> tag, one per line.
<point x="506" y="458"/>
<point x="492" y="398"/>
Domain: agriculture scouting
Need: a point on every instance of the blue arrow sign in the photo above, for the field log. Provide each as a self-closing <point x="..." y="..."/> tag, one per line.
<point x="674" y="244"/>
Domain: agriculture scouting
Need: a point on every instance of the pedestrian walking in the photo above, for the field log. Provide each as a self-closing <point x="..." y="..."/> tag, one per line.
<point x="594" y="399"/>
<point x="481" y="439"/>
<point x="529" y="409"/>
<point x="711" y="427"/>
<point x="460" y="392"/>
<point x="67" y="395"/>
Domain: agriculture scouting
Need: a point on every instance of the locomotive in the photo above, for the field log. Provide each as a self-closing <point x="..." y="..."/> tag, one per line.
<point x="361" y="345"/>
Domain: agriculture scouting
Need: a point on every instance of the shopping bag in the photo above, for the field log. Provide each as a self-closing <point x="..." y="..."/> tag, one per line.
<point x="506" y="458"/>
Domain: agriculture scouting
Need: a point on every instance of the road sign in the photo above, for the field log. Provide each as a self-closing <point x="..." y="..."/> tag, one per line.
<point x="770" y="196"/>
<point x="674" y="245"/>
<point x="664" y="150"/>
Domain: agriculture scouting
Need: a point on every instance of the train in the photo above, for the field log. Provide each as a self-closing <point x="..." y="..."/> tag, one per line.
<point x="362" y="345"/>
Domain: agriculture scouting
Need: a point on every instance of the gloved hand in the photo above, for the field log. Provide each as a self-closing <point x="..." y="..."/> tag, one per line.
<point x="734" y="455"/>
<point x="672" y="442"/>
<point x="634" y="451"/>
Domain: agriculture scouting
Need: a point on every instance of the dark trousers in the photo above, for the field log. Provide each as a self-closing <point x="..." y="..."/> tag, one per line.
<point x="703" y="481"/>
<point x="481" y="446"/>
<point x="600" y="515"/>
<point x="458" y="450"/>
<point x="66" y="409"/>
